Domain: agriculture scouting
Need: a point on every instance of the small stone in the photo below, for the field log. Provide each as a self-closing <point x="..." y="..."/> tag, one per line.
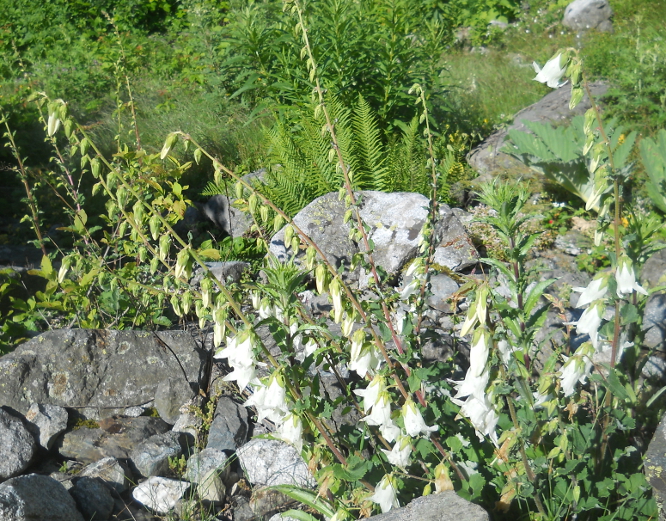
<point x="211" y="487"/>
<point x="35" y="497"/>
<point x="230" y="426"/>
<point x="273" y="462"/>
<point x="160" y="494"/>
<point x="110" y="471"/>
<point x="151" y="458"/>
<point x="93" y="498"/>
<point x="47" y="422"/>
<point x="201" y="463"/>
<point x="17" y="446"/>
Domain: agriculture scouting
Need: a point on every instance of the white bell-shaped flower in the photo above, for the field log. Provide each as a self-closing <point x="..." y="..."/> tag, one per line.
<point x="414" y="423"/>
<point x="399" y="454"/>
<point x="385" y="494"/>
<point x="552" y="72"/>
<point x="590" y="321"/>
<point x="576" y="369"/>
<point x="595" y="290"/>
<point x="626" y="278"/>
<point x="291" y="431"/>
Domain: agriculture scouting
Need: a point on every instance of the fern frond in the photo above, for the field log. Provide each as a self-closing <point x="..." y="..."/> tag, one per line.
<point x="369" y="156"/>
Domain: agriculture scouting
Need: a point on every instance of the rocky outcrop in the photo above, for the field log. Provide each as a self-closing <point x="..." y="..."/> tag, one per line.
<point x="489" y="160"/>
<point x="98" y="373"/>
<point x="395" y="221"/>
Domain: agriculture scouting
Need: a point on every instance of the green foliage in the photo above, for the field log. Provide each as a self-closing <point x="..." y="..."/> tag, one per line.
<point x="377" y="49"/>
<point x="306" y="167"/>
<point x="653" y="155"/>
<point x="633" y="60"/>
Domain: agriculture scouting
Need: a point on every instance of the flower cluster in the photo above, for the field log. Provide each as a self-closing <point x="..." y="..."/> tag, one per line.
<point x="475" y="403"/>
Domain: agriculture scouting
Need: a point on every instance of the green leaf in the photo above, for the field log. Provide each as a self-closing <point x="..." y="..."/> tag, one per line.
<point x="536" y="293"/>
<point x="615" y="386"/>
<point x="629" y="314"/>
<point x="307" y="497"/>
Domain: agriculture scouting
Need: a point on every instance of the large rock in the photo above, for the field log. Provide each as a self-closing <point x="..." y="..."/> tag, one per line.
<point x="274" y="462"/>
<point x="230" y="220"/>
<point x="115" y="438"/>
<point x="34" y="497"/>
<point x="489" y="161"/>
<point x="395" y="222"/>
<point x="97" y="372"/>
<point x="17" y="446"/>
<point x="583" y="15"/>
<point x="446" y="506"/>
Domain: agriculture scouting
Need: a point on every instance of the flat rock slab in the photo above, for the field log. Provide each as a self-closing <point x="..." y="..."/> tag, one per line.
<point x="33" y="497"/>
<point x="99" y="373"/>
<point x="446" y="506"/>
<point x="114" y="439"/>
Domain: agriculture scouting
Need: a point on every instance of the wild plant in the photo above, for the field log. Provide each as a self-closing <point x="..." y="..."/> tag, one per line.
<point x="538" y="430"/>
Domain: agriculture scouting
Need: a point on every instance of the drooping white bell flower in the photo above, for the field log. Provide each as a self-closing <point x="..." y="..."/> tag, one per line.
<point x="552" y="72"/>
<point x="364" y="357"/>
<point x="478" y="355"/>
<point x="414" y="423"/>
<point x="243" y="375"/>
<point x="482" y="415"/>
<point x="371" y="393"/>
<point x="595" y="290"/>
<point x="381" y="417"/>
<point x="291" y="431"/>
<point x="626" y="278"/>
<point x="399" y="454"/>
<point x="471" y="386"/>
<point x="576" y="369"/>
<point x="590" y="320"/>
<point x="385" y="494"/>
<point x="270" y="401"/>
<point x="505" y="350"/>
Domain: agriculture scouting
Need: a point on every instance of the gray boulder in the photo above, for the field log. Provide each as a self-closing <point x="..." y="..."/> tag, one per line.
<point x="395" y="222"/>
<point x="151" y="458"/>
<point x="93" y="498"/>
<point x="222" y="271"/>
<point x="97" y="372"/>
<point x="17" y="446"/>
<point x="445" y="506"/>
<point x="46" y="422"/>
<point x="583" y="15"/>
<point x="35" y="497"/>
<point x="274" y="462"/>
<point x="115" y="438"/>
<point x="230" y="426"/>
<point x="442" y="287"/>
<point x="487" y="158"/>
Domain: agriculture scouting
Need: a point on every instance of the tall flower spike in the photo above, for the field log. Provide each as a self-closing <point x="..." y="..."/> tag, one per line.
<point x="552" y="72"/>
